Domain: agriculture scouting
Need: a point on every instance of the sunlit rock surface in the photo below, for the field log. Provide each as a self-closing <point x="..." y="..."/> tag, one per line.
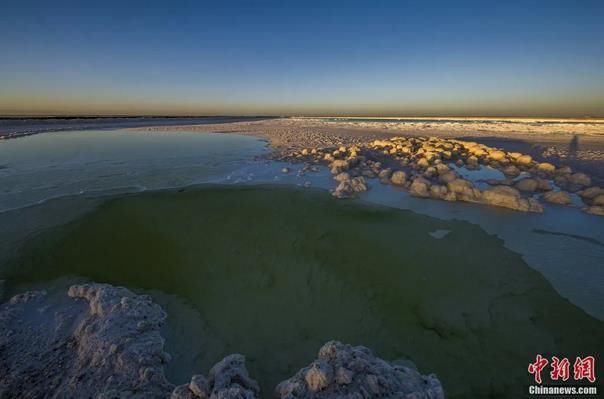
<point x="422" y="166"/>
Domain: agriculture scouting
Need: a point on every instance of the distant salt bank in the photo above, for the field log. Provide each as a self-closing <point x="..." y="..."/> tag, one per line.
<point x="429" y="166"/>
<point x="459" y="118"/>
<point x="578" y="143"/>
<point x="13" y="127"/>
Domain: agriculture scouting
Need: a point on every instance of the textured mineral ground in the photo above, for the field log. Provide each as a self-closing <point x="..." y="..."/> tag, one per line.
<point x="100" y="341"/>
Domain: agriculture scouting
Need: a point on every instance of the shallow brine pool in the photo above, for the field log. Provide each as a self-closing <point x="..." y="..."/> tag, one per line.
<point x="244" y="260"/>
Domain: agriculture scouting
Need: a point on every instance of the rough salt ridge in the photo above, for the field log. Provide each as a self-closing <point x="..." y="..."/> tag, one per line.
<point x="344" y="371"/>
<point x="100" y="341"/>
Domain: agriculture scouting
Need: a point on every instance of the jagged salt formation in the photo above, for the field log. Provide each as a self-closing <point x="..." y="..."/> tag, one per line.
<point x="428" y="167"/>
<point x="100" y="341"/>
<point x="347" y="372"/>
<point x="228" y="379"/>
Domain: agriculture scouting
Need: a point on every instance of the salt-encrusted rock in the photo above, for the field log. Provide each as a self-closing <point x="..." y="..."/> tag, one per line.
<point x="591" y="192"/>
<point x="344" y="376"/>
<point x="511" y="170"/>
<point x="384" y="175"/>
<point x="423" y="163"/>
<point x="599" y="200"/>
<point x="228" y="379"/>
<point x="564" y="170"/>
<point x="546" y="168"/>
<point x="544" y="185"/>
<point x="319" y="376"/>
<point x="496" y="155"/>
<point x="442" y="168"/>
<point x="527" y="185"/>
<point x="200" y="386"/>
<point x="420" y="187"/>
<point x="580" y="179"/>
<point x="447" y="177"/>
<point x="524" y="160"/>
<point x="399" y="178"/>
<point x="557" y="197"/>
<point x="358" y="184"/>
<point x="349" y="187"/>
<point x="509" y="197"/>
<point x="339" y="166"/>
<point x="464" y="190"/>
<point x="342" y="177"/>
<point x="98" y="341"/>
<point x="230" y="373"/>
<point x="438" y="191"/>
<point x="344" y="371"/>
<point x="343" y="190"/>
<point x="595" y="210"/>
<point x="182" y="392"/>
<point x="472" y="161"/>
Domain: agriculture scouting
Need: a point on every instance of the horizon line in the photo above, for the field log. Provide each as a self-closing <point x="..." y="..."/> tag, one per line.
<point x="341" y="116"/>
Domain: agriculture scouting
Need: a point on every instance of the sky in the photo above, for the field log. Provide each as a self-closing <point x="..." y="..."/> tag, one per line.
<point x="305" y="57"/>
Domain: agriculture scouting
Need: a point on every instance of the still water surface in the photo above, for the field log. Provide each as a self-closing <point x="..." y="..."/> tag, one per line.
<point x="273" y="272"/>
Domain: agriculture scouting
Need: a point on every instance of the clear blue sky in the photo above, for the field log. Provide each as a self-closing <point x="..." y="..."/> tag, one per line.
<point x="303" y="57"/>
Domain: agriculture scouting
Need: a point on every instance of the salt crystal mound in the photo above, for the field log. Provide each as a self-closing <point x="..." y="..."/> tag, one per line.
<point x="433" y="167"/>
<point x="98" y="341"/>
<point x="101" y="341"/>
<point x="344" y="371"/>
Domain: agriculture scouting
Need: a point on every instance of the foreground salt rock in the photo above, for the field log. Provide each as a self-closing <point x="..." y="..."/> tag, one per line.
<point x="227" y="379"/>
<point x="344" y="371"/>
<point x="99" y="341"/>
<point x="102" y="342"/>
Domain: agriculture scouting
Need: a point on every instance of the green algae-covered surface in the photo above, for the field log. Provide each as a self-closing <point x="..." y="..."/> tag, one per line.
<point x="273" y="273"/>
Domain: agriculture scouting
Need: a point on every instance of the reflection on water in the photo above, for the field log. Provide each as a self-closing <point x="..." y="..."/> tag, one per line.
<point x="44" y="166"/>
<point x="274" y="273"/>
<point x="478" y="176"/>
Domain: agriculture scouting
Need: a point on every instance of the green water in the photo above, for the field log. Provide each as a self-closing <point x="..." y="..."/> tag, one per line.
<point x="273" y="273"/>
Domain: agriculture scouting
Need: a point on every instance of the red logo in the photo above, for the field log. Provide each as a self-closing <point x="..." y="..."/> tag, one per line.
<point x="583" y="368"/>
<point x="535" y="368"/>
<point x="560" y="369"/>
